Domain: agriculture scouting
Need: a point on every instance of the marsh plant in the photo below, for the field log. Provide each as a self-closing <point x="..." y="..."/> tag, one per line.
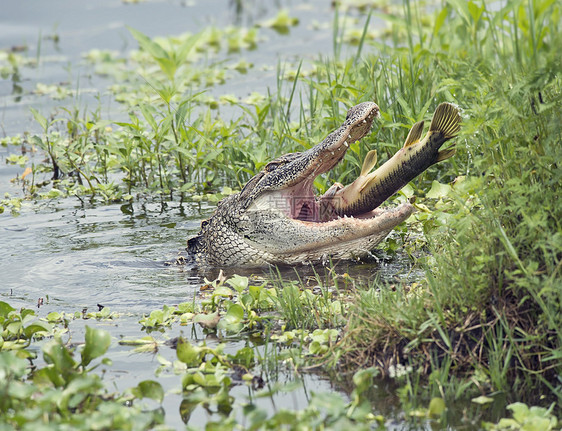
<point x="486" y="317"/>
<point x="490" y="306"/>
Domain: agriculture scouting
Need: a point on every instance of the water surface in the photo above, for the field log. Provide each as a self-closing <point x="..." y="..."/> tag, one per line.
<point x="75" y="256"/>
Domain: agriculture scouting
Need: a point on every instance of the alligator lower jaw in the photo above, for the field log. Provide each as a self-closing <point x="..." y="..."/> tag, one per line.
<point x="292" y="226"/>
<point x="372" y="222"/>
<point x="292" y="241"/>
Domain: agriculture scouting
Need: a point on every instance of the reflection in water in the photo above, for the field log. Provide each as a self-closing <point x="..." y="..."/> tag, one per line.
<point x="249" y="12"/>
<point x="17" y="89"/>
<point x="396" y="268"/>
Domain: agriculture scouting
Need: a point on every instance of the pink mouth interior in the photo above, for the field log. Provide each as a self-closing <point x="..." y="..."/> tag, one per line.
<point x="300" y="203"/>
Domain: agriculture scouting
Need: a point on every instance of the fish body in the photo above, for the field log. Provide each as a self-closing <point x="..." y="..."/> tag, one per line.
<point x="370" y="190"/>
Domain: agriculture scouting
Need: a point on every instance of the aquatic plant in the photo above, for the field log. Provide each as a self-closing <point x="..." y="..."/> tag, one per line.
<point x="64" y="392"/>
<point x="491" y="302"/>
<point x="485" y="319"/>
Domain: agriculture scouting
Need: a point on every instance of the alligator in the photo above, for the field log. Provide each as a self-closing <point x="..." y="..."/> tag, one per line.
<point x="277" y="219"/>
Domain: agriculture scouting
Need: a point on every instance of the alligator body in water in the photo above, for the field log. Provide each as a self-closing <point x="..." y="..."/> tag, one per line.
<point x="277" y="219"/>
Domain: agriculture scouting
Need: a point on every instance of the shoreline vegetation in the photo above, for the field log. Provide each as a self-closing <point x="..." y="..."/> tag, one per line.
<point x="485" y="320"/>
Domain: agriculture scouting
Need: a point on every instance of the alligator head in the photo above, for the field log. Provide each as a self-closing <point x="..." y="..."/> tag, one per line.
<point x="277" y="219"/>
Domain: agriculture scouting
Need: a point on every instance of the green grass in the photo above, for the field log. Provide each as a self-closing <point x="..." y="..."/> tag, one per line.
<point x="491" y="302"/>
<point x="488" y="311"/>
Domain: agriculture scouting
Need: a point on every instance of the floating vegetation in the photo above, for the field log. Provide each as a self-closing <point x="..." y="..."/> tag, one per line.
<point x="282" y="22"/>
<point x="483" y="323"/>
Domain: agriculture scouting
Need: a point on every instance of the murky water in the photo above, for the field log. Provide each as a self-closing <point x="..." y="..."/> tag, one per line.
<point x="75" y="256"/>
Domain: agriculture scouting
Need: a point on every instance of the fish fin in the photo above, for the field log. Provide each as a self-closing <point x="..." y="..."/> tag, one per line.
<point x="367" y="181"/>
<point x="415" y="134"/>
<point x="446" y="120"/>
<point x="369" y="162"/>
<point x="445" y="154"/>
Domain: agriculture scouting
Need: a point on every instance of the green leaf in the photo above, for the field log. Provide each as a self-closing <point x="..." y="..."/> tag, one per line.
<point x="186" y="47"/>
<point x="149" y="389"/>
<point x="147" y="114"/>
<point x="5" y="309"/>
<point x="316" y="348"/>
<point x="168" y="66"/>
<point x="461" y="7"/>
<point x="40" y="119"/>
<point x="436" y="407"/>
<point x="97" y="343"/>
<point x="77" y="390"/>
<point x="60" y="357"/>
<point x="438" y="190"/>
<point x="155" y="50"/>
<point x="520" y="411"/>
<point x="181" y="112"/>
<point x="440" y="20"/>
<point x="209" y="321"/>
<point x="475" y="11"/>
<point x="12" y="366"/>
<point x="233" y="319"/>
<point x="234" y="314"/>
<point x="238" y="282"/>
<point x="20" y="391"/>
<point x="482" y="399"/>
<point x="188" y="353"/>
<point x="14" y="328"/>
<point x="36" y="327"/>
<point x="245" y="356"/>
<point x="332" y="402"/>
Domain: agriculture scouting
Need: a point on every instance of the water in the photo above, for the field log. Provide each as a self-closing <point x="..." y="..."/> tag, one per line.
<point x="74" y="256"/>
<point x="59" y="32"/>
<point x="118" y="256"/>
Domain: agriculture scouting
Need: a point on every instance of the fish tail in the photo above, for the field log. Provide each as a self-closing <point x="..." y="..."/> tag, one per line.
<point x="446" y="120"/>
<point x="445" y="154"/>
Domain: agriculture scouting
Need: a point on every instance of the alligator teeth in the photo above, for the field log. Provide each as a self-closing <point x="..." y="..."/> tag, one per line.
<point x="345" y="143"/>
<point x="364" y="121"/>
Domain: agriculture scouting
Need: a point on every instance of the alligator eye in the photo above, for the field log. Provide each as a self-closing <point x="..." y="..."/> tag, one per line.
<point x="351" y="112"/>
<point x="204" y="223"/>
<point x="271" y="166"/>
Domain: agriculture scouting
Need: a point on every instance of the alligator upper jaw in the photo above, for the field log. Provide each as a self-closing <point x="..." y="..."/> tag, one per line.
<point x="289" y="188"/>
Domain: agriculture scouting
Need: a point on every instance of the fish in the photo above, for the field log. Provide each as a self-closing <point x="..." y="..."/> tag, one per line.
<point x="371" y="189"/>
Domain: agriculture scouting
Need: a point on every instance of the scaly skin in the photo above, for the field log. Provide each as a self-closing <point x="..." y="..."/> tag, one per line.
<point x="276" y="219"/>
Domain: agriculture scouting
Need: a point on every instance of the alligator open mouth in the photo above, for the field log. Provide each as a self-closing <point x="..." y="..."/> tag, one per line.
<point x="277" y="218"/>
<point x="297" y="198"/>
<point x="362" y="198"/>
